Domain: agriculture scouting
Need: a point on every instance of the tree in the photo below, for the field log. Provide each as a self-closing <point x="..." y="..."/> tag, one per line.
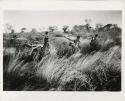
<point x="8" y="28"/>
<point x="88" y="21"/>
<point x="65" y="28"/>
<point x="41" y="29"/>
<point x="23" y="30"/>
<point x="12" y="31"/>
<point x="34" y="30"/>
<point x="98" y="27"/>
<point x="107" y="27"/>
<point x="115" y="26"/>
<point x="53" y="28"/>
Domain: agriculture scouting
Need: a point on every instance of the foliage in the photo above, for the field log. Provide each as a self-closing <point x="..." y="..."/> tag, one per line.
<point x="53" y="28"/>
<point x="95" y="66"/>
<point x="65" y="28"/>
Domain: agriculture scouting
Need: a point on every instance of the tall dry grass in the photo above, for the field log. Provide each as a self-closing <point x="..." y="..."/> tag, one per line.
<point x="89" y="72"/>
<point x="96" y="70"/>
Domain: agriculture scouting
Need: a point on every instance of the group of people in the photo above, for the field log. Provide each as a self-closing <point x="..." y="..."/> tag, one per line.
<point x="41" y="50"/>
<point x="76" y="42"/>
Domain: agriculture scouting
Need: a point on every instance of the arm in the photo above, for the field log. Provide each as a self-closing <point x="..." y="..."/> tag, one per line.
<point x="69" y="39"/>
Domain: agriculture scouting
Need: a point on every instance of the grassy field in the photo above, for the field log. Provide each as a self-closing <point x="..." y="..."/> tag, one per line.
<point x="90" y="69"/>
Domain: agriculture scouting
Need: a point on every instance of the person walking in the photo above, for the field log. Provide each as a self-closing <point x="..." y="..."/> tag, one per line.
<point x="93" y="43"/>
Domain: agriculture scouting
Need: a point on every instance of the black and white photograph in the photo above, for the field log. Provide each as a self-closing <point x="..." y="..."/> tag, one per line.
<point x="62" y="50"/>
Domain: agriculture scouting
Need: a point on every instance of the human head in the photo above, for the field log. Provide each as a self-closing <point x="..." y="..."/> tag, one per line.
<point x="96" y="35"/>
<point x="46" y="33"/>
<point x="78" y="37"/>
<point x="70" y="43"/>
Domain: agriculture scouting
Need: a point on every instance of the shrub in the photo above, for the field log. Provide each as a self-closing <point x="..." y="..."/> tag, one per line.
<point x="89" y="47"/>
<point x="96" y="68"/>
<point x="107" y="45"/>
<point x="20" y="74"/>
<point x="66" y="50"/>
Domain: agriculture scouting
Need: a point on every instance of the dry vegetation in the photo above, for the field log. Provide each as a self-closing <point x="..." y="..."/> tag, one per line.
<point x="96" y="68"/>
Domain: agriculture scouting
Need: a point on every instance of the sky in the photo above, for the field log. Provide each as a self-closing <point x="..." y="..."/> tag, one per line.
<point x="40" y="19"/>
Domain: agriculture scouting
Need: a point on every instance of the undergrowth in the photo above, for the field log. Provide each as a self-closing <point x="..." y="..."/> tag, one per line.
<point x="96" y="71"/>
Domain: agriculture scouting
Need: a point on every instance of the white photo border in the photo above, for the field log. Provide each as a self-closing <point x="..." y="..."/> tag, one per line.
<point x="61" y="95"/>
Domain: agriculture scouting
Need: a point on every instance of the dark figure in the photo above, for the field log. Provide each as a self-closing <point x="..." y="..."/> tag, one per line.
<point x="46" y="38"/>
<point x="39" y="52"/>
<point x="96" y="35"/>
<point x="74" y="48"/>
<point x="77" y="42"/>
<point x="93" y="43"/>
<point x="94" y="39"/>
<point x="46" y="46"/>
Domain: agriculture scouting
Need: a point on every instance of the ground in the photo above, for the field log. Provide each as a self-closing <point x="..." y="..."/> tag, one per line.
<point x="91" y="68"/>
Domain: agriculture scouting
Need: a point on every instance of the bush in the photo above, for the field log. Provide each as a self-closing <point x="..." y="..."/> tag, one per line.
<point x="89" y="47"/>
<point x="20" y="74"/>
<point x="98" y="71"/>
<point x="107" y="45"/>
<point x="66" y="50"/>
<point x="96" y="68"/>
